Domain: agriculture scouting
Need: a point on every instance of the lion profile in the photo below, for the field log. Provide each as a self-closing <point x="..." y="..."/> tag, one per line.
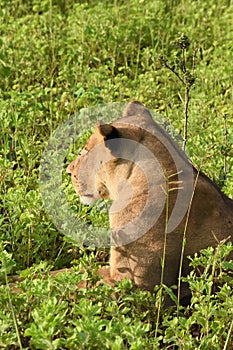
<point x="156" y="191"/>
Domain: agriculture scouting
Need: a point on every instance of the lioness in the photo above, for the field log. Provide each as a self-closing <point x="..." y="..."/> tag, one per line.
<point x="158" y="198"/>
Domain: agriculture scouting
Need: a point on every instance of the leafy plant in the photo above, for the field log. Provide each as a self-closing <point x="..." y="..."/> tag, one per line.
<point x="57" y="57"/>
<point x="210" y="311"/>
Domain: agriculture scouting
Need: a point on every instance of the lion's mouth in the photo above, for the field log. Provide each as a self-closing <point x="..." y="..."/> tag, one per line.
<point x="87" y="199"/>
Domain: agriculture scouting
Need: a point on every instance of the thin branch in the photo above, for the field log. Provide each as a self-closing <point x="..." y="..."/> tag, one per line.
<point x="164" y="61"/>
<point x="225" y="147"/>
<point x="186" y="104"/>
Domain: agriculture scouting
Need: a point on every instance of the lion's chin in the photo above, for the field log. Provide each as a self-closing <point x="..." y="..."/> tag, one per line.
<point x="87" y="199"/>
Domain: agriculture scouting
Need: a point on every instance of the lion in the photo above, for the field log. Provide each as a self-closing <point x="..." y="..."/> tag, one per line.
<point x="159" y="200"/>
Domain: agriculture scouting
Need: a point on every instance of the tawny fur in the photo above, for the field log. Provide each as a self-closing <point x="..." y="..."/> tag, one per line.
<point x="103" y="176"/>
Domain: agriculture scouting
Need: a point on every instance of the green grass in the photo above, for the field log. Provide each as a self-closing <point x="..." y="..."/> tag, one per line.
<point x="57" y="57"/>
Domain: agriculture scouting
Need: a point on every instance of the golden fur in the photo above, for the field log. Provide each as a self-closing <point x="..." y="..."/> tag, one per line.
<point x="99" y="172"/>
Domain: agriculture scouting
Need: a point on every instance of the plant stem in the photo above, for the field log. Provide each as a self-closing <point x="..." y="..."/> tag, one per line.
<point x="183" y="60"/>
<point x="228" y="336"/>
<point x="166" y="191"/>
<point x="225" y="145"/>
<point x="13" y="314"/>
<point x="186" y="104"/>
<point x="184" y="241"/>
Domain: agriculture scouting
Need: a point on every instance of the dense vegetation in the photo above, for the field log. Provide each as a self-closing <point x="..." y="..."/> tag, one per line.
<point x="57" y="57"/>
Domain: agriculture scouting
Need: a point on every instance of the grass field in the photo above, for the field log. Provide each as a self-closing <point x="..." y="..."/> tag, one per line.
<point x="57" y="57"/>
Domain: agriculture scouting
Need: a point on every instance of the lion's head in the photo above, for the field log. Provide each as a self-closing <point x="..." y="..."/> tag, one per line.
<point x="109" y="158"/>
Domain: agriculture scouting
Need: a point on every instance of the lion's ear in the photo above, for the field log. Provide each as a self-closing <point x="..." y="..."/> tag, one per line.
<point x="136" y="108"/>
<point x="107" y="131"/>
